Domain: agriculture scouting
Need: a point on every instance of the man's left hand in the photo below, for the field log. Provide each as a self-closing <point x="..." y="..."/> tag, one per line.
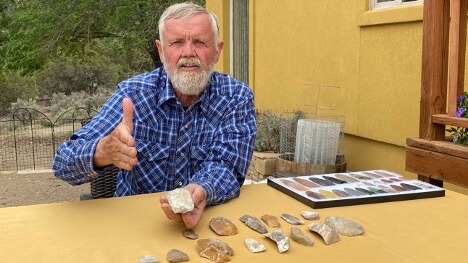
<point x="190" y="219"/>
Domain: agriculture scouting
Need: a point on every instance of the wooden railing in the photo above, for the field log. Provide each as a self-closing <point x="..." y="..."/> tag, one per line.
<point x="433" y="157"/>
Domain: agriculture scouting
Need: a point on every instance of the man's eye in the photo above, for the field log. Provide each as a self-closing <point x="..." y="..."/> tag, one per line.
<point x="177" y="43"/>
<point x="199" y="44"/>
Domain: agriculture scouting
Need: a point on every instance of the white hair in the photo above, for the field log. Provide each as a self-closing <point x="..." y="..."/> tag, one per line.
<point x="187" y="10"/>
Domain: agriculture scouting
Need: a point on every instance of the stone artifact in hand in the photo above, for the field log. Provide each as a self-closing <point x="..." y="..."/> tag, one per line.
<point x="180" y="200"/>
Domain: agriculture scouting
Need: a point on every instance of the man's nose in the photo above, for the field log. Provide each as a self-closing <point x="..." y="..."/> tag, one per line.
<point x="189" y="50"/>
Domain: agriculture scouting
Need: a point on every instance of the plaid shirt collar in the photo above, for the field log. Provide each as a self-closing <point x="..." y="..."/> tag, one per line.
<point x="168" y="93"/>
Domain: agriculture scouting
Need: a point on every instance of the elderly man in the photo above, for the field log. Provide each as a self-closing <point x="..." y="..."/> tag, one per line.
<point x="181" y="125"/>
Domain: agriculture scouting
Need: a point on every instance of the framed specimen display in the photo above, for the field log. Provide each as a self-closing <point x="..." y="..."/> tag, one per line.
<point x="353" y="188"/>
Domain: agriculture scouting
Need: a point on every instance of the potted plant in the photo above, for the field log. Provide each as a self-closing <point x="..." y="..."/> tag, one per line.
<point x="460" y="134"/>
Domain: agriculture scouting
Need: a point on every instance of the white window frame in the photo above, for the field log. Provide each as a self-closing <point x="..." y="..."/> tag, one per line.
<point x="374" y="4"/>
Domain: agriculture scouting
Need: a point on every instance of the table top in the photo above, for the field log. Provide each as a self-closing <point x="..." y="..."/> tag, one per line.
<point x="124" y="229"/>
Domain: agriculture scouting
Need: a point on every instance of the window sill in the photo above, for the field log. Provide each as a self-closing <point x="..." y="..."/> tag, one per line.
<point x="394" y="15"/>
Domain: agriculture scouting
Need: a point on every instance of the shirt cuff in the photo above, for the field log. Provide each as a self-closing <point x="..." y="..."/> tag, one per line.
<point x="209" y="189"/>
<point x="84" y="158"/>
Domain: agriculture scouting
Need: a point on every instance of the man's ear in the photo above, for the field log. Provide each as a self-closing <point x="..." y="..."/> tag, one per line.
<point x="220" y="48"/>
<point x="158" y="44"/>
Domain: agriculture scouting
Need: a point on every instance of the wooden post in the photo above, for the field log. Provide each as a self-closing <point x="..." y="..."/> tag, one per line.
<point x="457" y="53"/>
<point x="436" y="21"/>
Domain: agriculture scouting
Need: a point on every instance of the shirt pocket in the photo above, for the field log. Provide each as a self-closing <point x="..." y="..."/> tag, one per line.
<point x="199" y="154"/>
<point x="147" y="142"/>
<point x="152" y="151"/>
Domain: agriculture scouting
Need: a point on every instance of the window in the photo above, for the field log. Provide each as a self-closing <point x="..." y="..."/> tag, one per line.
<point x="377" y="4"/>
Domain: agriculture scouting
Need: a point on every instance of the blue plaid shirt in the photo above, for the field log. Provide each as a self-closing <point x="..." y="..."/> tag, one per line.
<point x="209" y="144"/>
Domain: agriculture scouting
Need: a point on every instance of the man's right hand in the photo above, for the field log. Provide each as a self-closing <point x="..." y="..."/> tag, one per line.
<point x="118" y="147"/>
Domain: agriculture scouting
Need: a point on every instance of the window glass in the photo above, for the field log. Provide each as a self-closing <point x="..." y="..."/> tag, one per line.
<point x="376" y="4"/>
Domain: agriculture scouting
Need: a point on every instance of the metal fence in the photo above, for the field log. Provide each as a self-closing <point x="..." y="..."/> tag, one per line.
<point x="29" y="138"/>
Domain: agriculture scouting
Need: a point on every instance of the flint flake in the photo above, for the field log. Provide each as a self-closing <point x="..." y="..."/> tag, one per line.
<point x="344" y="226"/>
<point x="300" y="237"/>
<point x="292" y="219"/>
<point x="271" y="221"/>
<point x="180" y="200"/>
<point x="223" y="226"/>
<point x="328" y="234"/>
<point x="282" y="241"/>
<point x="175" y="255"/>
<point x="254" y="246"/>
<point x="214" y="249"/>
<point x="309" y="215"/>
<point x="148" y="259"/>
<point x="190" y="234"/>
<point x="254" y="223"/>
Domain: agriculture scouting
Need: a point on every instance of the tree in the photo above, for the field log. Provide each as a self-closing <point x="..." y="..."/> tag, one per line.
<point x="32" y="31"/>
<point x="18" y="30"/>
<point x="72" y="74"/>
<point x="14" y="87"/>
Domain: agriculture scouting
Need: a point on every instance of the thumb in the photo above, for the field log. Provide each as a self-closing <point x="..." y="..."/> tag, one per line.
<point x="127" y="119"/>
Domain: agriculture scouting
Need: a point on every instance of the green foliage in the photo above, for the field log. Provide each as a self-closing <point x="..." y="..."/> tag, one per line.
<point x="70" y="74"/>
<point x="75" y="105"/>
<point x="460" y="134"/>
<point x="34" y="31"/>
<point x="95" y="101"/>
<point x="72" y="47"/>
<point x="268" y="132"/>
<point x="24" y="104"/>
<point x="14" y="87"/>
<point x="20" y="49"/>
<point x="270" y="126"/>
<point x="25" y="110"/>
<point x="61" y="103"/>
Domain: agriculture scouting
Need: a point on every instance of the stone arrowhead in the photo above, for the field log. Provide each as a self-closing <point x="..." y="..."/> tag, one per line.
<point x="180" y="200"/>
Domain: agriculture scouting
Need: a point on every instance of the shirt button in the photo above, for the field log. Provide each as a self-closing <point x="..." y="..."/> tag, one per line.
<point x="179" y="183"/>
<point x="182" y="154"/>
<point x="186" y="126"/>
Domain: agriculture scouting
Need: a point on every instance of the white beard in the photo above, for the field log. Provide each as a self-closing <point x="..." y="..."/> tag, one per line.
<point x="189" y="83"/>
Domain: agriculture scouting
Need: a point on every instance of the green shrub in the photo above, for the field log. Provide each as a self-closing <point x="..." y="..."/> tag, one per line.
<point x="268" y="132"/>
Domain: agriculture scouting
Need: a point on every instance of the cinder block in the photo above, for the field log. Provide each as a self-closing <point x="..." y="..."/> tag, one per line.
<point x="265" y="163"/>
<point x="265" y="155"/>
<point x="265" y="166"/>
<point x="256" y="176"/>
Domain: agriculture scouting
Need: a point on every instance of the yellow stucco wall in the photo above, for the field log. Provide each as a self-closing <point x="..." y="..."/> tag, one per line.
<point x="373" y="56"/>
<point x="221" y="9"/>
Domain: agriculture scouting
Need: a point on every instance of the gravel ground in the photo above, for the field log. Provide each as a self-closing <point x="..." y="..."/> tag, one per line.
<point x="40" y="187"/>
<point x="32" y="187"/>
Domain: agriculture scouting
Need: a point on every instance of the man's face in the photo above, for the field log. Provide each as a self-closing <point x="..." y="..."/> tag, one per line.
<point x="189" y="52"/>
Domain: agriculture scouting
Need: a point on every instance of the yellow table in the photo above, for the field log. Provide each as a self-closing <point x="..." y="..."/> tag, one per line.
<point x="124" y="229"/>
